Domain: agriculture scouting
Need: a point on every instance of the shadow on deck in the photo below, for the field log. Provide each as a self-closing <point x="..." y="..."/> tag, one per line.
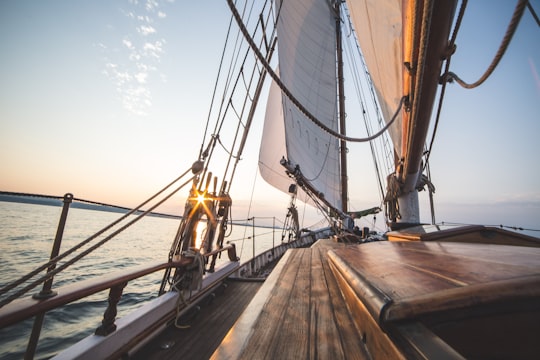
<point x="203" y="328"/>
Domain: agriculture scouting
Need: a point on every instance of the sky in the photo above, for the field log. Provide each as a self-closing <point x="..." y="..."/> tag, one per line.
<point x="108" y="100"/>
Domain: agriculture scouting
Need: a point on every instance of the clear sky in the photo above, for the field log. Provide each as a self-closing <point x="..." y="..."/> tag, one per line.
<point x="108" y="99"/>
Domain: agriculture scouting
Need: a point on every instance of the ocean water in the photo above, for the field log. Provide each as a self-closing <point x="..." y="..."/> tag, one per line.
<point x="27" y="232"/>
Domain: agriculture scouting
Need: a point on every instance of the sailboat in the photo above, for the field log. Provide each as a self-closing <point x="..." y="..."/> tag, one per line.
<point x="416" y="291"/>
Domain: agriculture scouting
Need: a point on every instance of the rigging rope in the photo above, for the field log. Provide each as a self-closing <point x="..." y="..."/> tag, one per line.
<point x="239" y="62"/>
<point x="291" y="97"/>
<point x="375" y="149"/>
<point x="512" y="26"/>
<point x="533" y="13"/>
<point x="215" y="88"/>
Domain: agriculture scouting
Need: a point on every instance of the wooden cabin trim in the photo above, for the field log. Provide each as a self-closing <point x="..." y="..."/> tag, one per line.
<point x="431" y="232"/>
<point x="383" y="340"/>
<point x="490" y="333"/>
<point x="469" y="234"/>
<point x="377" y="342"/>
<point x="504" y="294"/>
<point x="372" y="297"/>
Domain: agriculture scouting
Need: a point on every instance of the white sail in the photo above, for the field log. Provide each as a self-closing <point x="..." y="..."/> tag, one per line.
<point x="307" y="66"/>
<point x="273" y="142"/>
<point x="378" y="25"/>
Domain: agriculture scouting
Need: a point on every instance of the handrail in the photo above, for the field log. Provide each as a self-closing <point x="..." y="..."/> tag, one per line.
<point x="25" y="308"/>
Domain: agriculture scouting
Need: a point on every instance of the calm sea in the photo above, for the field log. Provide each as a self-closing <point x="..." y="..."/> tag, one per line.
<point x="26" y="237"/>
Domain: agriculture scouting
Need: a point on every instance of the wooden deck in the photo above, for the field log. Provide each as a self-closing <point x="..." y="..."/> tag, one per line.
<point x="299" y="313"/>
<point x="205" y="328"/>
<point x="394" y="300"/>
<point x="402" y="299"/>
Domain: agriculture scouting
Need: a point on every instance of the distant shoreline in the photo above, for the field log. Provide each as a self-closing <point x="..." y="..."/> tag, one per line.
<point x="50" y="200"/>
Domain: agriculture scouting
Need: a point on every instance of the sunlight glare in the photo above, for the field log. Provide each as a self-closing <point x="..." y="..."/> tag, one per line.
<point x="201" y="233"/>
<point x="200" y="198"/>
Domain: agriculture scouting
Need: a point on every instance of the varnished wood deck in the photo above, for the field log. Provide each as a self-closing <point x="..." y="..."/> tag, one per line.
<point x="205" y="328"/>
<point x="300" y="314"/>
<point x="393" y="300"/>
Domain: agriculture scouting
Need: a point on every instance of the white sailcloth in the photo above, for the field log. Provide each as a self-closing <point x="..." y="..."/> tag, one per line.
<point x="307" y="67"/>
<point x="378" y="26"/>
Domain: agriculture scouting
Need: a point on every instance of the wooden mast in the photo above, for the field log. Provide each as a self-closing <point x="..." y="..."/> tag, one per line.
<point x="341" y="99"/>
<point x="426" y="29"/>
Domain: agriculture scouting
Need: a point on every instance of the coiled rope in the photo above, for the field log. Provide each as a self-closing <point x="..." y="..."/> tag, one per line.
<point x="514" y="22"/>
<point x="291" y="97"/>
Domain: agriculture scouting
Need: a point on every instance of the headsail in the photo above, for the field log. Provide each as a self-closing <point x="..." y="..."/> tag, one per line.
<point x="307" y="66"/>
<point x="378" y="27"/>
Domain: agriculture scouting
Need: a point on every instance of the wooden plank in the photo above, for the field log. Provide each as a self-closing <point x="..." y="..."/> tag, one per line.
<point x="349" y="336"/>
<point x="233" y="344"/>
<point x="280" y="323"/>
<point x="324" y="336"/>
<point x="310" y="328"/>
<point x="303" y="316"/>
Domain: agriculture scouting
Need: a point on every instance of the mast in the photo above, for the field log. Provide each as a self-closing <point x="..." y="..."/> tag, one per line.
<point x="341" y="100"/>
<point x="426" y="28"/>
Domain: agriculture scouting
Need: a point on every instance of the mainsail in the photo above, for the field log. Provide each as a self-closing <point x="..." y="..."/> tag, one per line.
<point x="307" y="66"/>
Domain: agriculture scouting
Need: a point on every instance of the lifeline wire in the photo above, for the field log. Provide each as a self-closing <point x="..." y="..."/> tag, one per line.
<point x="86" y="252"/>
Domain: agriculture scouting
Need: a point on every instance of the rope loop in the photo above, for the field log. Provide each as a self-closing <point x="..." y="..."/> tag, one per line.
<point x="510" y="31"/>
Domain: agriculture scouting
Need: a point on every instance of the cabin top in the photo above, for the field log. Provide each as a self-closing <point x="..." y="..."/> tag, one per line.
<point x="400" y="280"/>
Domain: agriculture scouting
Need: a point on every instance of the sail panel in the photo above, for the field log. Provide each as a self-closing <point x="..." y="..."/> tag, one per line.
<point x="307" y="66"/>
<point x="273" y="142"/>
<point x="378" y="27"/>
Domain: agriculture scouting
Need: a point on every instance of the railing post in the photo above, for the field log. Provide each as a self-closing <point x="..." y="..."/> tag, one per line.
<point x="46" y="291"/>
<point x="253" y="244"/>
<point x="232" y="252"/>
<point x="253" y="232"/>
<point x="273" y="234"/>
<point x="107" y="324"/>
<point x="47" y="285"/>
